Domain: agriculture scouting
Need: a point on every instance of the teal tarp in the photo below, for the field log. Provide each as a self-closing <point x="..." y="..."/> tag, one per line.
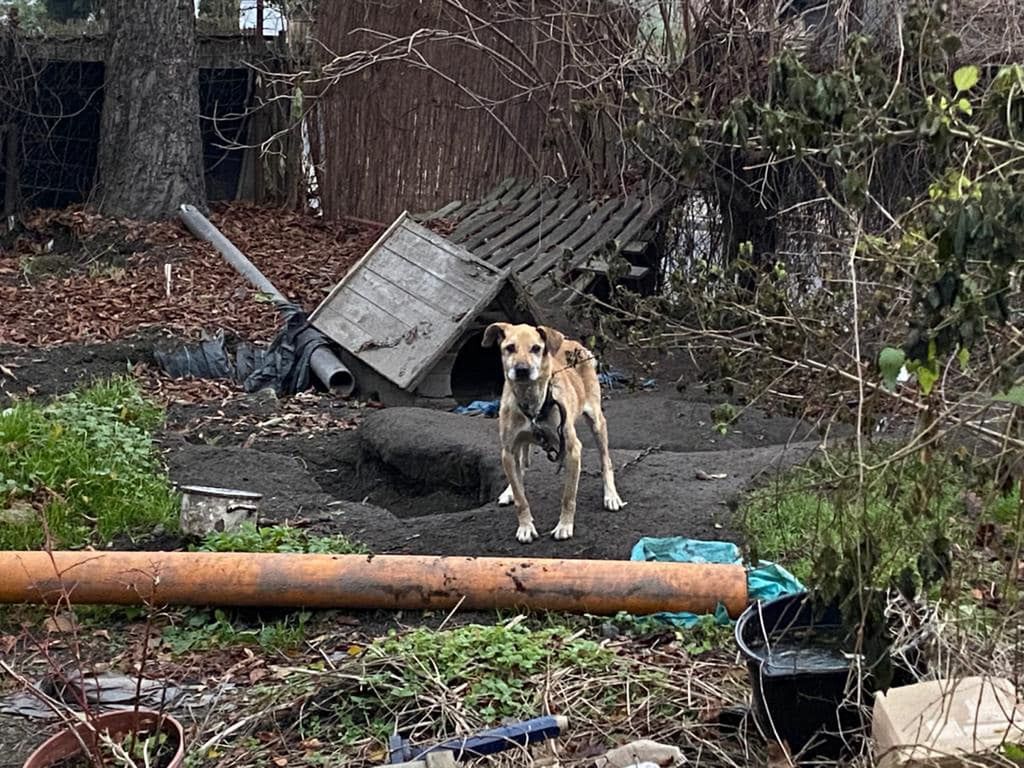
<point x="766" y="581"/>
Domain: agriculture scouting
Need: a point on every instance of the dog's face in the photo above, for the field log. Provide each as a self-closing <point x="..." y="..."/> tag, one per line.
<point x="526" y="350"/>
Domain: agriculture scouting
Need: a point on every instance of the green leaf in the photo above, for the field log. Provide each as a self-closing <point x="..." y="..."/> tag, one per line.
<point x="964" y="357"/>
<point x="965" y="106"/>
<point x="926" y="378"/>
<point x="1013" y="752"/>
<point x="890" y="362"/>
<point x="1015" y="395"/>
<point x="966" y="78"/>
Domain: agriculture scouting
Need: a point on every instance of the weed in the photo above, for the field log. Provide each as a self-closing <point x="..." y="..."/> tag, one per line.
<point x="278" y="538"/>
<point x="86" y="464"/>
<point x="723" y="415"/>
<point x="205" y="630"/>
<point x="495" y="665"/>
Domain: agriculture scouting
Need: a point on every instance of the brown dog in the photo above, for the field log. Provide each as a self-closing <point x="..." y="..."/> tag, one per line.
<point x="549" y="382"/>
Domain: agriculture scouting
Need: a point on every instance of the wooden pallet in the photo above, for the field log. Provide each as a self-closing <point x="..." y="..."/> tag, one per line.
<point x="542" y="230"/>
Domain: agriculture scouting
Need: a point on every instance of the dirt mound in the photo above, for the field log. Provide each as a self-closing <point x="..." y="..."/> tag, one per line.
<point x="437" y="447"/>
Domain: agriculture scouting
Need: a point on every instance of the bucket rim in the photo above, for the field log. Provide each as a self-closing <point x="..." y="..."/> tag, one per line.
<point x="754" y="609"/>
<point x="227" y="493"/>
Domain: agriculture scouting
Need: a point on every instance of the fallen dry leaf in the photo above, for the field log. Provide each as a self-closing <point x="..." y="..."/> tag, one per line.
<point x="62" y="622"/>
<point x="302" y="255"/>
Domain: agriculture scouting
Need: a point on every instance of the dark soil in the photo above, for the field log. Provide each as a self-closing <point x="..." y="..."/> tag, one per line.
<point x="29" y="372"/>
<point x="419" y="481"/>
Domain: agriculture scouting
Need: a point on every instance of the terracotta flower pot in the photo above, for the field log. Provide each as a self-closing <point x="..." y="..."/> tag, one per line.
<point x="66" y="744"/>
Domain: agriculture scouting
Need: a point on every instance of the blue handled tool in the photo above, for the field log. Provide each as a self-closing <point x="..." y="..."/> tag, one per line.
<point x="484" y="743"/>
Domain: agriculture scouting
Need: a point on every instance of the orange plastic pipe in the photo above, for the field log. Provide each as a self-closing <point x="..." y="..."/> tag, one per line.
<point x="370" y="581"/>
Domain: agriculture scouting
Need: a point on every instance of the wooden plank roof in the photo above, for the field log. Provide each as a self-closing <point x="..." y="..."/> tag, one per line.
<point x="534" y="228"/>
<point x="405" y="302"/>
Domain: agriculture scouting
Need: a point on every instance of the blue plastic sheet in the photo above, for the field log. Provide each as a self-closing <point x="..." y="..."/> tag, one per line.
<point x="488" y="408"/>
<point x="612" y="379"/>
<point x="765" y="581"/>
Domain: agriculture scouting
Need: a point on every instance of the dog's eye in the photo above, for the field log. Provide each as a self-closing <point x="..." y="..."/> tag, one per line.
<point x="510" y="348"/>
<point x="535" y="349"/>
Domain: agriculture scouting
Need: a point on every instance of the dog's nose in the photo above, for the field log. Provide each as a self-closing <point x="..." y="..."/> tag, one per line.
<point x="521" y="371"/>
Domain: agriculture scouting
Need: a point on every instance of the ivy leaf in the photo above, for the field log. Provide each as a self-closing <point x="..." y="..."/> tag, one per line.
<point x="1015" y="395"/>
<point x="890" y="363"/>
<point x="966" y="78"/>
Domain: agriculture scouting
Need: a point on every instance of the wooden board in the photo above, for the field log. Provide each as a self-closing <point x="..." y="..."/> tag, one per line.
<point x="527" y="228"/>
<point x="406" y="301"/>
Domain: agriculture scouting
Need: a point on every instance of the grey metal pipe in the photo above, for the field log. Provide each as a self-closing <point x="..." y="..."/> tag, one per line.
<point x="201" y="227"/>
<point x="325" y="364"/>
<point x="332" y="372"/>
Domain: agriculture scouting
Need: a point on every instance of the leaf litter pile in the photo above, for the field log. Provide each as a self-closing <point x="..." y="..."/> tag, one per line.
<point x="74" y="276"/>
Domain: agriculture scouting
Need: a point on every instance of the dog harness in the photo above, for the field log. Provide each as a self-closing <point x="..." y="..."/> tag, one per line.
<point x="543" y="435"/>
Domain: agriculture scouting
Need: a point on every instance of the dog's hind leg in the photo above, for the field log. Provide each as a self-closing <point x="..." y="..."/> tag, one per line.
<point x="526" y="532"/>
<point x="599" y="427"/>
<point x="523" y="460"/>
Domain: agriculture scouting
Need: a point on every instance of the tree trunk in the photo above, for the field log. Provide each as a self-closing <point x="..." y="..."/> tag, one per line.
<point x="150" y="158"/>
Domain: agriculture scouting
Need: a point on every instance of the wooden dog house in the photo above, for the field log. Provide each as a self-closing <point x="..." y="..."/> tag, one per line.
<point x="410" y="314"/>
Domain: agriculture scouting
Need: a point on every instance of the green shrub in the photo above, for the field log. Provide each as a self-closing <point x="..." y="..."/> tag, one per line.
<point x="817" y="511"/>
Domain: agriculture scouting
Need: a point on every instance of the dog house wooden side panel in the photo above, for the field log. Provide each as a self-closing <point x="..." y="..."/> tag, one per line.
<point x="404" y="304"/>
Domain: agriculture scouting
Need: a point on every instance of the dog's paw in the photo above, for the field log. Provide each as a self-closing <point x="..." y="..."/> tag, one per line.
<point x="506" y="497"/>
<point x="526" y="533"/>
<point x="562" y="531"/>
<point x="612" y="502"/>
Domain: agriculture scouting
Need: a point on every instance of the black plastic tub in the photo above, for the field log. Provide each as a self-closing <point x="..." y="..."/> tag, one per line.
<point x="800" y="675"/>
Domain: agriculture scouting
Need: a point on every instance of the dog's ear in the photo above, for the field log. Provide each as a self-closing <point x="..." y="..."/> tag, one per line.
<point x="494" y="332"/>
<point x="552" y="338"/>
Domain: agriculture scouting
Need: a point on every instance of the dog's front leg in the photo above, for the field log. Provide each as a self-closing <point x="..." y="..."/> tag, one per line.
<point x="526" y="532"/>
<point x="523" y="454"/>
<point x="573" y="454"/>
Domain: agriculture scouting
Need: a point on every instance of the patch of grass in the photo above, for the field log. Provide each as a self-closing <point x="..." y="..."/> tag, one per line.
<point x="86" y="464"/>
<point x="1005" y="508"/>
<point x="278" y="538"/>
<point x="206" y="630"/>
<point x="494" y="666"/>
<point x="811" y="511"/>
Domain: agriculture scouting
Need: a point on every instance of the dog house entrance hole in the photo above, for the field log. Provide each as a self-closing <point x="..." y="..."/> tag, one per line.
<point x="476" y="373"/>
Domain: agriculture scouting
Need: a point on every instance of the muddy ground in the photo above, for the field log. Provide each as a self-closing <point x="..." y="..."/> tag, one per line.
<point x="413" y="480"/>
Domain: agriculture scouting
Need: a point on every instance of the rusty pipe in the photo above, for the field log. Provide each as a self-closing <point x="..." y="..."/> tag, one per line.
<point x="370" y="582"/>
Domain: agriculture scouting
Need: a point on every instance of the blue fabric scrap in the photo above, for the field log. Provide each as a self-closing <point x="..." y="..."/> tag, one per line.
<point x="612" y="379"/>
<point x="765" y="581"/>
<point x="487" y="408"/>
